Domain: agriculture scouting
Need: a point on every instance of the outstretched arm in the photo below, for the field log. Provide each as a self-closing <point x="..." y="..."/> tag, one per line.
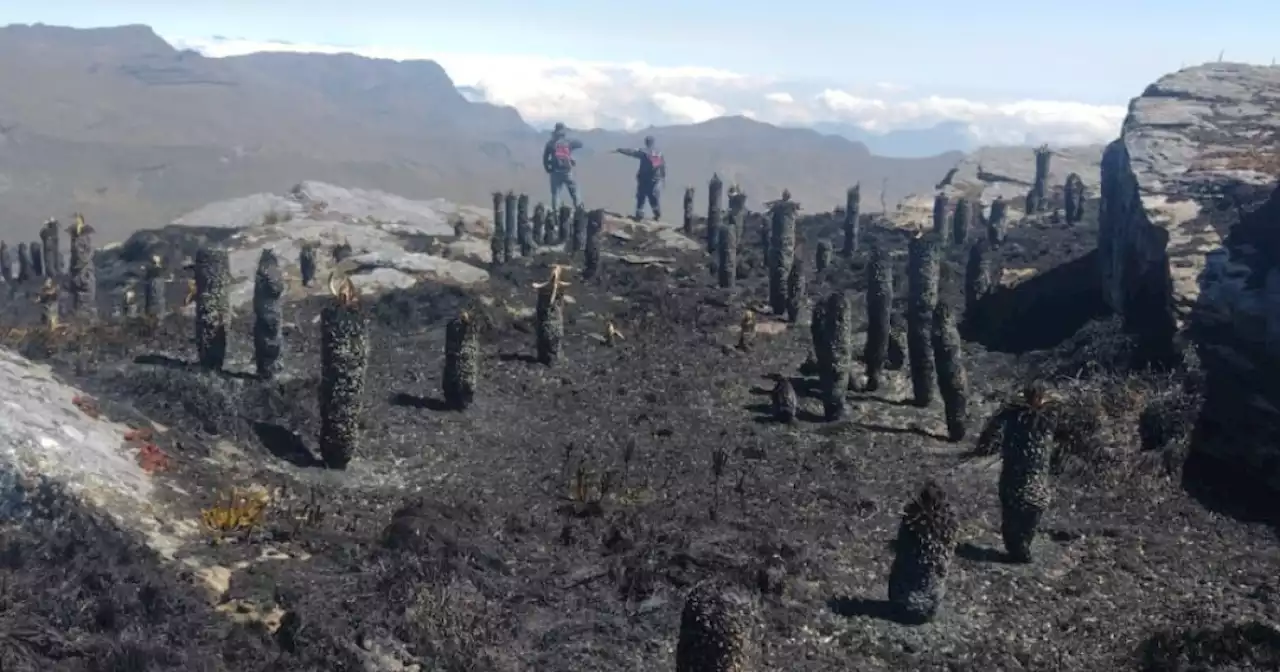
<point x="575" y="144"/>
<point x="633" y="153"/>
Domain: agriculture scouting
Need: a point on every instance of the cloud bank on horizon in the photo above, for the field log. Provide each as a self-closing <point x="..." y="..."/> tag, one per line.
<point x="632" y="95"/>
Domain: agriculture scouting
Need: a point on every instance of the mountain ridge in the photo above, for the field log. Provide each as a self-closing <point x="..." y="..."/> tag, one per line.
<point x="123" y="126"/>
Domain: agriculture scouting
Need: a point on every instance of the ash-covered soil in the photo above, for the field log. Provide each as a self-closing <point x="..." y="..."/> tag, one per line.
<point x="482" y="540"/>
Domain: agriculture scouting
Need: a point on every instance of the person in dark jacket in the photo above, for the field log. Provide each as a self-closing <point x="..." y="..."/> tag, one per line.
<point x="557" y="160"/>
<point x="650" y="178"/>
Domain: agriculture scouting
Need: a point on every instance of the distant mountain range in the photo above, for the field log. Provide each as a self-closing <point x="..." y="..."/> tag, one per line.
<point x="948" y="136"/>
<point x="117" y="123"/>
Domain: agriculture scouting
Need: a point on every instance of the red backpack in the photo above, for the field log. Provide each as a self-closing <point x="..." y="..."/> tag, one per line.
<point x="563" y="154"/>
<point x="655" y="160"/>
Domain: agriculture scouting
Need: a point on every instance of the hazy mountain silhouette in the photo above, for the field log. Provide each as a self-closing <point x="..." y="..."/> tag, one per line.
<point x="117" y="123"/>
<point x="948" y="136"/>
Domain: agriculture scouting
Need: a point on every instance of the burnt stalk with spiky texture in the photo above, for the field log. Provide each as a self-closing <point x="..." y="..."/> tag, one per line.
<point x="24" y="263"/>
<point x="981" y="275"/>
<point x="212" y="269"/>
<point x="51" y="248"/>
<point x="522" y="226"/>
<point x="922" y="559"/>
<point x="688" y="211"/>
<point x="549" y="317"/>
<point x="563" y="222"/>
<point x="1025" y="429"/>
<point x="782" y="248"/>
<point x="851" y="226"/>
<point x="960" y="222"/>
<point x="153" y="288"/>
<point x="727" y="253"/>
<point x="509" y="230"/>
<point x="539" y="224"/>
<point x="715" y="212"/>
<point x="822" y="258"/>
<point x="784" y="400"/>
<point x="718" y="631"/>
<point x="48" y="298"/>
<point x="941" y="224"/>
<point x="1038" y="195"/>
<point x="6" y="262"/>
<point x="307" y="264"/>
<point x="996" y="221"/>
<point x="837" y="364"/>
<point x="1073" y="197"/>
<point x="578" y="231"/>
<point x="37" y="261"/>
<point x="879" y="315"/>
<point x="84" y="277"/>
<point x="923" y="267"/>
<point x="268" y="315"/>
<point x="591" y="254"/>
<point x="461" y="362"/>
<point x="499" y="222"/>
<point x="796" y="291"/>
<point x="738" y="212"/>
<point x="344" y="359"/>
<point x="953" y="382"/>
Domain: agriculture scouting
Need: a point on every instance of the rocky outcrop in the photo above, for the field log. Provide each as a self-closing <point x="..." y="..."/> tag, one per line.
<point x="1186" y="241"/>
<point x="1004" y="172"/>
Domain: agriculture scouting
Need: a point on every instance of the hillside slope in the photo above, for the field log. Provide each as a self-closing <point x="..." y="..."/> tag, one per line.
<point x="117" y="122"/>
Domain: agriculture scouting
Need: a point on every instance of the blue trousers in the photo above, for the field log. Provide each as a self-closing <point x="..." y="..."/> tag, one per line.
<point x="563" y="181"/>
<point x="651" y="192"/>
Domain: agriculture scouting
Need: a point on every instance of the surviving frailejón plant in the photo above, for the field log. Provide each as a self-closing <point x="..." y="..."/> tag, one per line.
<point x="344" y="358"/>
<point x="212" y="270"/>
<point x="268" y="320"/>
<point x="953" y="382"/>
<point x="461" y="361"/>
<point x="550" y="316"/>
<point x="922" y="559"/>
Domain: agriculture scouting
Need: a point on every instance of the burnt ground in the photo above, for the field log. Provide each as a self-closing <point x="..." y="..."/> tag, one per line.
<point x="482" y="541"/>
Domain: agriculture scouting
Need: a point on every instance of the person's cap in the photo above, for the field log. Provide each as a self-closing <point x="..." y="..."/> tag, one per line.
<point x="559" y="126"/>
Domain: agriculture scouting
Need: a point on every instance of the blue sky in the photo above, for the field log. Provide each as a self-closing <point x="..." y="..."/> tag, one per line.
<point x="1086" y="50"/>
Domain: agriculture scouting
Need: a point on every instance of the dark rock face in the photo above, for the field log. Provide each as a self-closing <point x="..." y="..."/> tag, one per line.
<point x="1186" y="244"/>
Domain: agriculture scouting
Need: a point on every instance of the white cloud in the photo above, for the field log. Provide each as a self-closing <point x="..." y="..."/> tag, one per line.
<point x="635" y="94"/>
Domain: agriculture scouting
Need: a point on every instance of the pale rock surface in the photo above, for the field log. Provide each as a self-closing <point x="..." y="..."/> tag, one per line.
<point x="1188" y="241"/>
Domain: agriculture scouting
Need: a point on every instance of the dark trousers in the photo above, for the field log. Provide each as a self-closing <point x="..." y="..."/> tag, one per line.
<point x="651" y="192"/>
